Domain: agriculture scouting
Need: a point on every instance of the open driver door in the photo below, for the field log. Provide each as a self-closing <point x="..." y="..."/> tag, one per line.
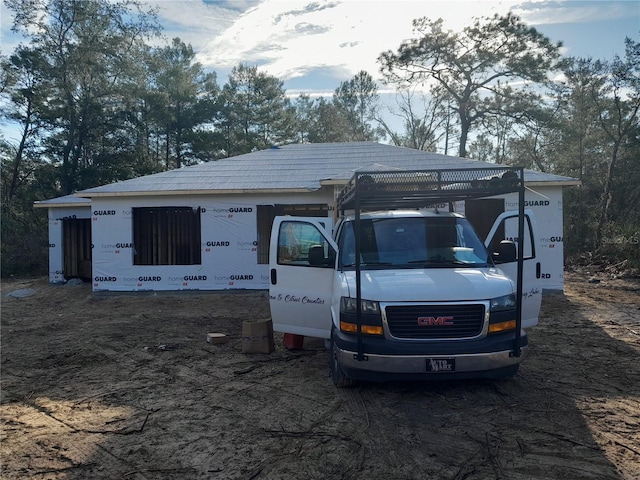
<point x="302" y="257"/>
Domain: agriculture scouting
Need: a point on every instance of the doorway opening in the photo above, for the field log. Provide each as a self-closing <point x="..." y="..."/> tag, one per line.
<point x="76" y="242"/>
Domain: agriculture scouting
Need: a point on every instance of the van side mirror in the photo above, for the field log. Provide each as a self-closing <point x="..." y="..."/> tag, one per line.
<point x="506" y="252"/>
<point x="316" y="256"/>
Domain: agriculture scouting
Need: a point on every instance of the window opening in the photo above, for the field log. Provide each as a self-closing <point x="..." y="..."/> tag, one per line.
<point x="167" y="236"/>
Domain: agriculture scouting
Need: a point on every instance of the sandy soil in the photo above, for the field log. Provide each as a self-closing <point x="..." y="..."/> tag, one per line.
<point x="126" y="387"/>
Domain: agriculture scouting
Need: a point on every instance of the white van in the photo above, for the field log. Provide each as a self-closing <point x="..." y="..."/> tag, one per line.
<point x="408" y="293"/>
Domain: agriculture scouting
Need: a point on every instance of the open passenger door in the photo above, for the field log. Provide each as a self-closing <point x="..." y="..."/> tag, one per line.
<point x="302" y="257"/>
<point x="506" y="228"/>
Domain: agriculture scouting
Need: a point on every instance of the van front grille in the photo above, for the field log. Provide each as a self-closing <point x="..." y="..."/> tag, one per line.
<point x="435" y="321"/>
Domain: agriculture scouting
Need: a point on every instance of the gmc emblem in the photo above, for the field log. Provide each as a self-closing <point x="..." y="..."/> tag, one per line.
<point x="434" y="321"/>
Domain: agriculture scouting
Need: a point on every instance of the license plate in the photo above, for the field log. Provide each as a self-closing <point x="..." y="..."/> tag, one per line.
<point x="441" y="364"/>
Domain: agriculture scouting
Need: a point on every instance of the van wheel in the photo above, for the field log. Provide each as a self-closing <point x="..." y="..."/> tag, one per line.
<point x="338" y="377"/>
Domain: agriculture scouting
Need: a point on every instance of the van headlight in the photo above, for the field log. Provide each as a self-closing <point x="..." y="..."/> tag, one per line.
<point x="370" y="321"/>
<point x="349" y="305"/>
<point x="506" y="302"/>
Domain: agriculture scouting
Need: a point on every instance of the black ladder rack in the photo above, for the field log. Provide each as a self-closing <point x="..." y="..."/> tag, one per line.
<point x="388" y="190"/>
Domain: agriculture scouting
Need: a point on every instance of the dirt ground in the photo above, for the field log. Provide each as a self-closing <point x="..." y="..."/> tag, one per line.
<point x="126" y="387"/>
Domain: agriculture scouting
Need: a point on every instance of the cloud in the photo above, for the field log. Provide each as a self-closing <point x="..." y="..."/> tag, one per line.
<point x="305" y="28"/>
<point x="193" y="20"/>
<point x="291" y="39"/>
<point x="311" y="7"/>
<point x="347" y="35"/>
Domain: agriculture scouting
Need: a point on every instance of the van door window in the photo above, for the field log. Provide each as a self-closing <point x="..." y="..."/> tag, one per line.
<point x="294" y="241"/>
<point x="511" y="233"/>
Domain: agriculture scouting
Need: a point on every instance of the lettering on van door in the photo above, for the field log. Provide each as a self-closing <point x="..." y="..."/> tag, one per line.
<point x="297" y="299"/>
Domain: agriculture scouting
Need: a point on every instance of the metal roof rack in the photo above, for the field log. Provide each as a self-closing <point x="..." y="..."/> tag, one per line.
<point x="375" y="190"/>
<point x="389" y="190"/>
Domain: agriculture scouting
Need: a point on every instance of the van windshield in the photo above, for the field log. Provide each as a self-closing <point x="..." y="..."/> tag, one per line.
<point x="414" y="242"/>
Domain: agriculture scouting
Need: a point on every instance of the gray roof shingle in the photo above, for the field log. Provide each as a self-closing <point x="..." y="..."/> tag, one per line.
<point x="296" y="167"/>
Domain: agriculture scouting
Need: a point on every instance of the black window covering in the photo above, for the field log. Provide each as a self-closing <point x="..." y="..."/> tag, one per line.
<point x="167" y="236"/>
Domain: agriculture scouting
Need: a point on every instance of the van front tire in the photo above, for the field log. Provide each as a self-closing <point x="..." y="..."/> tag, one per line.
<point x="338" y="377"/>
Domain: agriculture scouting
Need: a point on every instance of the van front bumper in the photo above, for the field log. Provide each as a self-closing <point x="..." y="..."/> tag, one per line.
<point x="384" y="360"/>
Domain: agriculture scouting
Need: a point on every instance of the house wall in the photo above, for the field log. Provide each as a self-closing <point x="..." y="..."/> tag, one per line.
<point x="228" y="236"/>
<point x="56" y="249"/>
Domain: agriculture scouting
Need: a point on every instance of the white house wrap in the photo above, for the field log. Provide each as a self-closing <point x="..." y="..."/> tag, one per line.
<point x="143" y="231"/>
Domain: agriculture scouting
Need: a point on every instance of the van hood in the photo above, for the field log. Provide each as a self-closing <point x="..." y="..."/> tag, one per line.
<point x="433" y="284"/>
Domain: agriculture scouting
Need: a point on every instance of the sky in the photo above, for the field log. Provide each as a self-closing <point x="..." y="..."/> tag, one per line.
<point x="313" y="45"/>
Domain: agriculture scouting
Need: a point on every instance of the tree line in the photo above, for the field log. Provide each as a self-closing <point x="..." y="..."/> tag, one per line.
<point x="95" y="97"/>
